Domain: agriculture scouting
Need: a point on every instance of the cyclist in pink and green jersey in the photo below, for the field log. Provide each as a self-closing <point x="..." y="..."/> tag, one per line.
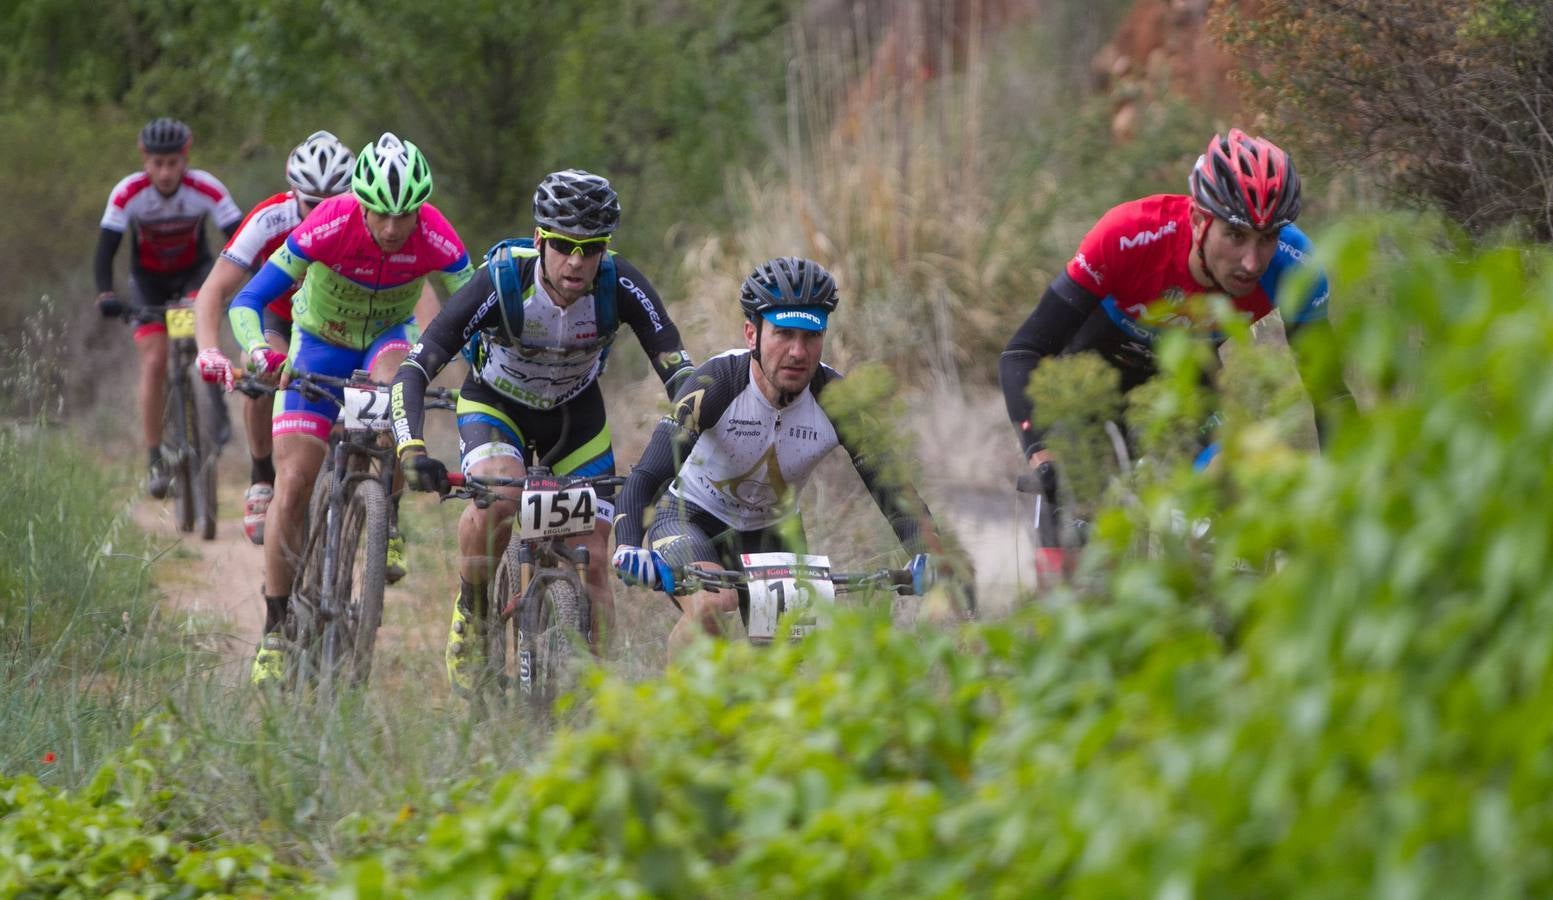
<point x="361" y="258"/>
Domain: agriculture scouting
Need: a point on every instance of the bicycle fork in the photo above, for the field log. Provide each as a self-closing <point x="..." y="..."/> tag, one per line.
<point x="525" y="647"/>
<point x="334" y="512"/>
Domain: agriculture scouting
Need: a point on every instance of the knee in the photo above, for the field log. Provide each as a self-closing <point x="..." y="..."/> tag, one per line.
<point x="292" y="484"/>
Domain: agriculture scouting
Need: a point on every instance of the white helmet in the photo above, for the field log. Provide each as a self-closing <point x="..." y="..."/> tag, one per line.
<point x="320" y="167"/>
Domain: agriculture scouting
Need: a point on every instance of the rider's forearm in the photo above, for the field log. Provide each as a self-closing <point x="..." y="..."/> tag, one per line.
<point x="224" y="278"/>
<point x="673" y="368"/>
<point x="1014" y="368"/>
<point x="1332" y="399"/>
<point x="657" y="466"/>
<point x="102" y="262"/>
<point x="898" y="502"/>
<point x="247" y="311"/>
<point x="1048" y="329"/>
<point x="407" y="404"/>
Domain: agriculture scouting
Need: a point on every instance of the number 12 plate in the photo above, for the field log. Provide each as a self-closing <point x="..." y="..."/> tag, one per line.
<point x="786" y="582"/>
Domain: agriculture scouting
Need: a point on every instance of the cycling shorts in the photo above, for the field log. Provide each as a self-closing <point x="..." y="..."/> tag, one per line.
<point x="150" y="293"/>
<point x="491" y="426"/>
<point x="684" y="533"/>
<point x="274" y="323"/>
<point x="296" y="414"/>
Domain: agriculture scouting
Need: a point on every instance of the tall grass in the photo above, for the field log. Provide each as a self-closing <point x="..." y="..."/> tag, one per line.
<point x="942" y="203"/>
<point x="81" y="644"/>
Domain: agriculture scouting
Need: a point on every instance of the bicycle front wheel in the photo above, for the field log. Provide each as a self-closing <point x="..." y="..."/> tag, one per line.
<point x="505" y="588"/>
<point x="361" y="572"/>
<point x="204" y="458"/>
<point x="180" y="422"/>
<point x="552" y="633"/>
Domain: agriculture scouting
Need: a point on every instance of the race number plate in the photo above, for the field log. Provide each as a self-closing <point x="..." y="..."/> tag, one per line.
<point x="787" y="582"/>
<point x="366" y="409"/>
<point x="180" y="322"/>
<point x="549" y="512"/>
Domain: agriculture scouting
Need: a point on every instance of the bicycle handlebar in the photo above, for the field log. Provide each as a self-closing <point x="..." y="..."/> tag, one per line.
<point x="311" y="386"/>
<point x="689" y="579"/>
<point x="471" y="487"/>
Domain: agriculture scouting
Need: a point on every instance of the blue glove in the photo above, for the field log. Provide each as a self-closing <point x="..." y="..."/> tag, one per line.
<point x="638" y="565"/>
<point x="923" y="575"/>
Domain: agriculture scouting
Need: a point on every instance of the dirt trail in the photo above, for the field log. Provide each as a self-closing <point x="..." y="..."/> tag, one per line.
<point x="213" y="587"/>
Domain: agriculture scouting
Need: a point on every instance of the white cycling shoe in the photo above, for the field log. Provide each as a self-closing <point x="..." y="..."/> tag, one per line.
<point x="255" y="504"/>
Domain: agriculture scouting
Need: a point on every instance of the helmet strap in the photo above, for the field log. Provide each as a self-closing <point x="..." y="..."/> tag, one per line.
<point x="544" y="273"/>
<point x="1202" y="259"/>
<point x="756" y="320"/>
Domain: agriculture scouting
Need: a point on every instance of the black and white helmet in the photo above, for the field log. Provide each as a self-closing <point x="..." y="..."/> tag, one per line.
<point x="787" y="281"/>
<point x="165" y="135"/>
<point x="577" y="203"/>
<point x="320" y="167"/>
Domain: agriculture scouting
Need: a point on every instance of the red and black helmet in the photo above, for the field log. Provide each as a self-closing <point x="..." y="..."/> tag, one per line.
<point x="1246" y="181"/>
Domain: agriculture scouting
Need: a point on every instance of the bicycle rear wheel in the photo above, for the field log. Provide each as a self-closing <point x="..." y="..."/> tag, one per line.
<point x="361" y="571"/>
<point x="552" y="632"/>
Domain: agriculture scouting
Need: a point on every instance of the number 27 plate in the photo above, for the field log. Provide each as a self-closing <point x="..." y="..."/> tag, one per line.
<point x="546" y="513"/>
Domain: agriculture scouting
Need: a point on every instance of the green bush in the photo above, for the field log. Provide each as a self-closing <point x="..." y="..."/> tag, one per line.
<point x="1367" y="714"/>
<point x="92" y="843"/>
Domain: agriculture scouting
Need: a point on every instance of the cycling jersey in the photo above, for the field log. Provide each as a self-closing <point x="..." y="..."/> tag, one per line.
<point x="733" y="454"/>
<point x="1136" y="258"/>
<point x="261" y="233"/>
<point x="166" y="232"/>
<point x="559" y="353"/>
<point x="352" y="291"/>
<point x="1129" y="279"/>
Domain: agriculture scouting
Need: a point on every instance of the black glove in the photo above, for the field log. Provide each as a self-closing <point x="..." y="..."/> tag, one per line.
<point x="110" y="306"/>
<point x="1048" y="475"/>
<point x="423" y="473"/>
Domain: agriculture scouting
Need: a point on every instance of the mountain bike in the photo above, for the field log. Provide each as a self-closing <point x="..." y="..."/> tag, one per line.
<point x="787" y="593"/>
<point x="1059" y="535"/>
<point x="337" y="593"/>
<point x="539" y="584"/>
<point x="190" y="423"/>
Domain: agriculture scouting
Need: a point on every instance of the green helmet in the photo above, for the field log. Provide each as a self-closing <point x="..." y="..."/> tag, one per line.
<point x="391" y="176"/>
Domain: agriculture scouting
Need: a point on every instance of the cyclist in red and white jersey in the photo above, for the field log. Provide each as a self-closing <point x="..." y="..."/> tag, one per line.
<point x="1136" y="269"/>
<point x="317" y="169"/>
<point x="163" y="208"/>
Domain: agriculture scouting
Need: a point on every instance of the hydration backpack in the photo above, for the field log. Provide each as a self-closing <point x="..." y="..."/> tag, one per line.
<point x="502" y="263"/>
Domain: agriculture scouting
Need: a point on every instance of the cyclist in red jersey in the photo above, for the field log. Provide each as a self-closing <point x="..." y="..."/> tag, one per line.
<point x="163" y="208"/>
<point x="1234" y="234"/>
<point x="317" y="169"/>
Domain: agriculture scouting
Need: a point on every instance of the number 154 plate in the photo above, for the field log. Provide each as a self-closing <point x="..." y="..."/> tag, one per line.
<point x="543" y="514"/>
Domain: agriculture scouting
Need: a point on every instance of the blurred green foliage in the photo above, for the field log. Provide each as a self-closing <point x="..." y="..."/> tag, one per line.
<point x="94" y="843"/>
<point x="661" y="98"/>
<point x="1366" y="713"/>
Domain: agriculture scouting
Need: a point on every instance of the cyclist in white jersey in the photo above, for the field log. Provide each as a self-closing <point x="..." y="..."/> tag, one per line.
<point x="317" y="169"/>
<point x="746" y="432"/>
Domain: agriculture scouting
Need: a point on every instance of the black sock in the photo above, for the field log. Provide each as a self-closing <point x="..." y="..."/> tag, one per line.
<point x="262" y="470"/>
<point x="468" y="594"/>
<point x="274" y="612"/>
<point x="154" y="455"/>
